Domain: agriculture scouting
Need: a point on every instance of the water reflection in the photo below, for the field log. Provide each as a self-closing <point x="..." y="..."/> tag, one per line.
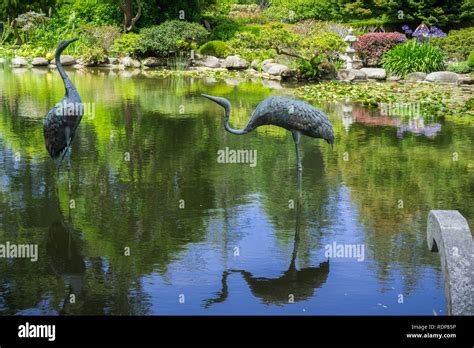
<point x="409" y="123"/>
<point x="173" y="159"/>
<point x="292" y="286"/>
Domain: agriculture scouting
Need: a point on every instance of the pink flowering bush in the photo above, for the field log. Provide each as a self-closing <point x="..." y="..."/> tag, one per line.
<point x="372" y="46"/>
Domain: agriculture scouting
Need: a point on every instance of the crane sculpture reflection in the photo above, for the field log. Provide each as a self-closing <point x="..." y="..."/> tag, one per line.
<point x="299" y="117"/>
<point x="62" y="120"/>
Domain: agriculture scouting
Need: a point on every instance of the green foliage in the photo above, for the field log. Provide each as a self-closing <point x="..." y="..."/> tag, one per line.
<point x="309" y="69"/>
<point x="215" y="48"/>
<point x="225" y="30"/>
<point x="92" y="12"/>
<point x="316" y="68"/>
<point x="171" y="37"/>
<point x="373" y="14"/>
<point x="29" y="50"/>
<point x="411" y="57"/>
<point x="126" y="44"/>
<point x="96" y="41"/>
<point x="93" y="55"/>
<point x="12" y="8"/>
<point x="457" y="44"/>
<point x="99" y="36"/>
<point x="470" y="60"/>
<point x="433" y="99"/>
<point x="328" y="44"/>
<point x="460" y="68"/>
<point x="158" y="11"/>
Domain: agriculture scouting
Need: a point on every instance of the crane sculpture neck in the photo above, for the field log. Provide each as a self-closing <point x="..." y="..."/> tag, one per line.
<point x="226" y="105"/>
<point x="227" y="125"/>
<point x="67" y="82"/>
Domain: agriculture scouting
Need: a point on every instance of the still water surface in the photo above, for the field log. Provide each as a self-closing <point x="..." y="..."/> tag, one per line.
<point x="212" y="238"/>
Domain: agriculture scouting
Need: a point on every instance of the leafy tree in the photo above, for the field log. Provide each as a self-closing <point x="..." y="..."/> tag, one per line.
<point x="10" y="9"/>
<point x="171" y="37"/>
<point x="132" y="11"/>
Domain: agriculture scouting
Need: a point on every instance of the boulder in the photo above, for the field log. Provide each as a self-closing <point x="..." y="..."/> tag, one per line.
<point x="40" y="61"/>
<point x="65" y="60"/>
<point x="251" y="71"/>
<point x="375" y="73"/>
<point x="255" y="63"/>
<point x="394" y="78"/>
<point x="268" y="61"/>
<point x="275" y="69"/>
<point x="19" y="62"/>
<point x="443" y="77"/>
<point x="351" y="75"/>
<point x="235" y="62"/>
<point x="81" y="62"/>
<point x="416" y="76"/>
<point x="357" y="64"/>
<point x="113" y="61"/>
<point x="465" y="80"/>
<point x="130" y="62"/>
<point x="208" y="62"/>
<point x="328" y="71"/>
<point x="152" y="62"/>
<point x="290" y="74"/>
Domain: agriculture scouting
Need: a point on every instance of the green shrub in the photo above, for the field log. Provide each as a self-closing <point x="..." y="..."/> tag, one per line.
<point x="412" y="56"/>
<point x="280" y="13"/>
<point x="326" y="43"/>
<point x="470" y="60"/>
<point x="215" y="48"/>
<point x="126" y="45"/>
<point x="99" y="36"/>
<point x="372" y="46"/>
<point x="30" y="50"/>
<point x="459" y="68"/>
<point x="316" y="68"/>
<point x="225" y="30"/>
<point x="93" y="55"/>
<point x="457" y="44"/>
<point x="171" y="37"/>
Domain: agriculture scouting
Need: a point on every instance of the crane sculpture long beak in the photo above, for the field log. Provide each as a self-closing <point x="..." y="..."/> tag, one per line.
<point x="219" y="100"/>
<point x="72" y="40"/>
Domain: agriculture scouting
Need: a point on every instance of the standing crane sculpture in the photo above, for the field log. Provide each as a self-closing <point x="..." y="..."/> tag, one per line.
<point x="62" y="120"/>
<point x="294" y="115"/>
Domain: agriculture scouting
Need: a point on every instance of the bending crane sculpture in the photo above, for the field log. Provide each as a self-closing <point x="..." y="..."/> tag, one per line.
<point x="294" y="115"/>
<point x="61" y="123"/>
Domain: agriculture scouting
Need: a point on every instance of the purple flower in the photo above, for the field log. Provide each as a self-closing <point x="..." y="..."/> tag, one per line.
<point x="436" y="32"/>
<point x="407" y="29"/>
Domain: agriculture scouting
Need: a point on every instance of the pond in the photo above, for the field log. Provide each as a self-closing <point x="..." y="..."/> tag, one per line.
<point x="149" y="221"/>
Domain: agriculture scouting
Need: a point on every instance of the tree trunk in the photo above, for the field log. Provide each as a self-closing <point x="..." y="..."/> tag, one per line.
<point x="15" y="31"/>
<point x="129" y="20"/>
